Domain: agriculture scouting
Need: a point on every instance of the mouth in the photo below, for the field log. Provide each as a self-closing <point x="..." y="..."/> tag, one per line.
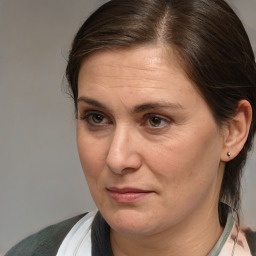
<point x="127" y="195"/>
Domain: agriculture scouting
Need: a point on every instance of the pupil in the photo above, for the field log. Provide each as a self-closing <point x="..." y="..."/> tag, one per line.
<point x="97" y="118"/>
<point x="155" y="121"/>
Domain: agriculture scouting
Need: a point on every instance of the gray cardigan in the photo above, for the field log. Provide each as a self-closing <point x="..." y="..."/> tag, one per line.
<point x="46" y="242"/>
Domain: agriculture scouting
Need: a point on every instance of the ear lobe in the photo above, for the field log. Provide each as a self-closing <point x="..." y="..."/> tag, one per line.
<point x="237" y="131"/>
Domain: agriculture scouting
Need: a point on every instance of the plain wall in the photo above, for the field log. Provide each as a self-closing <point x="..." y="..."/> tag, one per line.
<point x="41" y="181"/>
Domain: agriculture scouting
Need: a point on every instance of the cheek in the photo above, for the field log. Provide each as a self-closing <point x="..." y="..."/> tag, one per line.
<point x="92" y="157"/>
<point x="189" y="163"/>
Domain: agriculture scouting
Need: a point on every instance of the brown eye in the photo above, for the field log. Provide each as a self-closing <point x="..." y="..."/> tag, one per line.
<point x="155" y="121"/>
<point x="97" y="118"/>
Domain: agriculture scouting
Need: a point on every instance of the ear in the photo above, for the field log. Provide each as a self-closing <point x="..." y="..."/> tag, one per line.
<point x="237" y="131"/>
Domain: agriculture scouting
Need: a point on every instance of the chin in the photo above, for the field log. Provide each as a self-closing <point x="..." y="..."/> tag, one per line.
<point x="131" y="222"/>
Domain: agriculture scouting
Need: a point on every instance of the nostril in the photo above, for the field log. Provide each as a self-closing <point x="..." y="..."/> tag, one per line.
<point x="122" y="165"/>
<point x="123" y="155"/>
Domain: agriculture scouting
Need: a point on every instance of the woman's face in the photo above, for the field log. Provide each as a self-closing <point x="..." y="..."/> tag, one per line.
<point x="148" y="143"/>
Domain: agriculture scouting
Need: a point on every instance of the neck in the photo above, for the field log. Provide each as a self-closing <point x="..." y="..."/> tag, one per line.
<point x="194" y="237"/>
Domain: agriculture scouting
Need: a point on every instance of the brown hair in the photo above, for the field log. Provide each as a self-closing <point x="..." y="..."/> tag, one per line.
<point x="212" y="46"/>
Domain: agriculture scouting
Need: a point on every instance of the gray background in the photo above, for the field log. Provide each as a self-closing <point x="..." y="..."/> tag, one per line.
<point x="41" y="181"/>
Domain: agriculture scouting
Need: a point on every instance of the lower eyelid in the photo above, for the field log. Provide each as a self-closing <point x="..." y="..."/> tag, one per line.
<point x="162" y="119"/>
<point x="160" y="125"/>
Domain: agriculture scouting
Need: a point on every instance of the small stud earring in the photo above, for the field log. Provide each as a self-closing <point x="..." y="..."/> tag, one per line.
<point x="229" y="154"/>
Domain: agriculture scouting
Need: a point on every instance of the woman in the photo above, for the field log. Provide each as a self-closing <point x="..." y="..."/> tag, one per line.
<point x="164" y="94"/>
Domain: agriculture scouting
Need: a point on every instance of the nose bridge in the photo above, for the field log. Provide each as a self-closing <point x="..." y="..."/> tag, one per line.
<point x="122" y="153"/>
<point x="120" y="139"/>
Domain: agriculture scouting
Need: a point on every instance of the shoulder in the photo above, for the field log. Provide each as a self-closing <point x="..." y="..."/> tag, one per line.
<point x="46" y="241"/>
<point x="251" y="239"/>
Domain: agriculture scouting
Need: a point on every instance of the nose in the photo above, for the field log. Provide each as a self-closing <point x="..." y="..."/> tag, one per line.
<point x="123" y="155"/>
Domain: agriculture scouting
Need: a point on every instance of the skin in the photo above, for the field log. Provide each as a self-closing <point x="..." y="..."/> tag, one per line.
<point x="143" y="124"/>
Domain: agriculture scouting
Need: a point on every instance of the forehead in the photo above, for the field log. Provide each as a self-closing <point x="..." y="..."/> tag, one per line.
<point x="139" y="66"/>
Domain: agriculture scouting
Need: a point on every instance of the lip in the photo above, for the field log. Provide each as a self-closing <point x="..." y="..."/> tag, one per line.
<point x="128" y="194"/>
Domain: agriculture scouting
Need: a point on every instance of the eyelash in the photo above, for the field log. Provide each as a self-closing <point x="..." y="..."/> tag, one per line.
<point x="88" y="118"/>
<point x="160" y="118"/>
<point x="146" y="120"/>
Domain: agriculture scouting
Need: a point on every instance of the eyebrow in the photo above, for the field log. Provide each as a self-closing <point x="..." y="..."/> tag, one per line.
<point x="136" y="109"/>
<point x="92" y="102"/>
<point x="148" y="106"/>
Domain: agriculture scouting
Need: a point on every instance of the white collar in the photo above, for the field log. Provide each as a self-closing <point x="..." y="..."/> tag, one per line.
<point x="78" y="240"/>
